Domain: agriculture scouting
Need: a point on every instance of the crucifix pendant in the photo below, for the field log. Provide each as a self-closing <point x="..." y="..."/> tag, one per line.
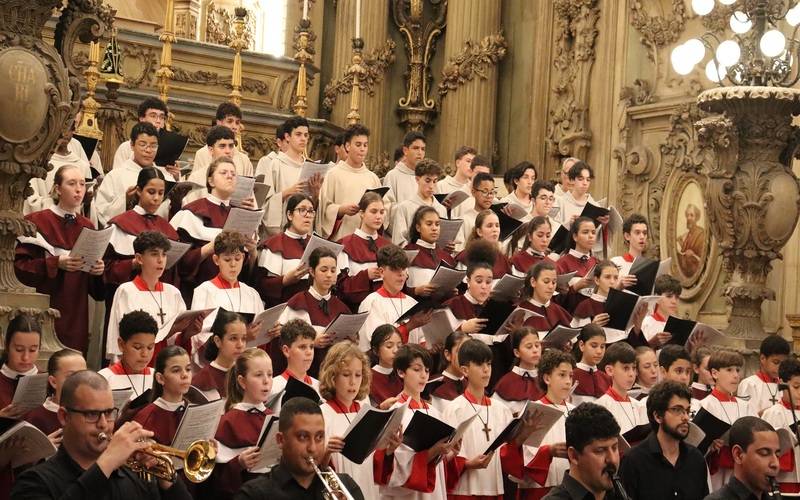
<point x="486" y="430"/>
<point x="161" y="315"/>
<point x="773" y="398"/>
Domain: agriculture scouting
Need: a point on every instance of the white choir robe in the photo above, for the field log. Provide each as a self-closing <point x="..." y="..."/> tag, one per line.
<point x="117" y="379"/>
<point x="652" y="326"/>
<point x="402" y="183"/>
<point x="134" y="295"/>
<point x="342" y="185"/>
<point x="263" y="163"/>
<point x="199" y="174"/>
<point x="42" y="188"/>
<point x="780" y="417"/>
<point x="244" y="299"/>
<point x="570" y="206"/>
<point x="467" y="214"/>
<point x="403" y="215"/>
<point x="727" y="412"/>
<point x="540" y="455"/>
<point x="109" y="199"/>
<point x="124" y="153"/>
<point x="441" y="404"/>
<point x="403" y="472"/>
<point x="761" y="394"/>
<point x="336" y="424"/>
<point x="512" y="198"/>
<point x="384" y="309"/>
<point x="623" y="263"/>
<point x="478" y="482"/>
<point x="449" y="184"/>
<point x="282" y="172"/>
<point x="628" y="414"/>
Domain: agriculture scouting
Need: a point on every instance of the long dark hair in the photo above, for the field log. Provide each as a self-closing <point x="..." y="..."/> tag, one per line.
<point x="147" y="174"/>
<point x="22" y="323"/>
<point x="221" y="322"/>
<point x="413" y="232"/>
<point x="526" y="232"/>
<point x="164" y="355"/>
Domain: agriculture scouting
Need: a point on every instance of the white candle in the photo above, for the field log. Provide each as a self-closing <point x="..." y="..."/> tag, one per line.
<point x="305" y="9"/>
<point x="358" y="18"/>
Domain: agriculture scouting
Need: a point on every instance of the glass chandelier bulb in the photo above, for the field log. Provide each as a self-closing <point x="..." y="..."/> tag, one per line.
<point x="772" y="43"/>
<point x="694" y="50"/>
<point x="681" y="62"/>
<point x="727" y="2"/>
<point x="741" y="24"/>
<point x="715" y="73"/>
<point x="793" y="15"/>
<point x="702" y="7"/>
<point x="728" y="53"/>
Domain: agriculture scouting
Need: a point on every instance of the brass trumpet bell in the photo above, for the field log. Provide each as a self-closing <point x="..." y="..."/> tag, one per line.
<point x="198" y="461"/>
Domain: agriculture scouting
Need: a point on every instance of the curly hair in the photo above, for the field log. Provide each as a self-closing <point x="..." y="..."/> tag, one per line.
<point x="339" y="355"/>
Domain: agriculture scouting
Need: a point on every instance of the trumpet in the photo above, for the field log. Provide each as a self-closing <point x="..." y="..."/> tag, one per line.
<point x="334" y="487"/>
<point x="198" y="460"/>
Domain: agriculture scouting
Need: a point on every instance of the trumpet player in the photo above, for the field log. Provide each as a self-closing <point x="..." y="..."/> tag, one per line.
<point x="301" y="438"/>
<point x="90" y="462"/>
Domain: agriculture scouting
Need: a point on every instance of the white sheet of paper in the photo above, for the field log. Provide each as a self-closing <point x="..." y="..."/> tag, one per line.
<point x="515" y="315"/>
<point x="442" y="324"/>
<point x="392" y="426"/>
<point x="664" y="266"/>
<point x="244" y="221"/>
<point x="268" y="319"/>
<point x="547" y="417"/>
<point x="316" y="242"/>
<point x="260" y="191"/>
<point x="270" y="453"/>
<point x="31" y="391"/>
<point x="455" y="198"/>
<point x="345" y="326"/>
<point x="462" y="428"/>
<point x="614" y="221"/>
<point x="310" y="168"/>
<point x="448" y="231"/>
<point x="560" y="335"/>
<point x="198" y="422"/>
<point x="648" y="301"/>
<point x="242" y="190"/>
<point x="507" y="287"/>
<point x="165" y="334"/>
<point x="447" y="279"/>
<point x="517" y="211"/>
<point x="176" y="250"/>
<point x="121" y="396"/>
<point x="30" y="446"/>
<point x="91" y="246"/>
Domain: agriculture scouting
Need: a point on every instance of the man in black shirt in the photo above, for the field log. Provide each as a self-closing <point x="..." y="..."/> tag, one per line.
<point x="301" y="435"/>
<point x="593" y="452"/>
<point x="662" y="466"/>
<point x="89" y="463"/>
<point x="756" y="450"/>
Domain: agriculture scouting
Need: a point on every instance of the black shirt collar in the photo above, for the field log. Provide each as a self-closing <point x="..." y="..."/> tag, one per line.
<point x="739" y="490"/>
<point x="575" y="489"/>
<point x="285" y="480"/>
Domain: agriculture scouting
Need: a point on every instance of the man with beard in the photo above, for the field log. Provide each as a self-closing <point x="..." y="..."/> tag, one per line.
<point x="663" y="466"/>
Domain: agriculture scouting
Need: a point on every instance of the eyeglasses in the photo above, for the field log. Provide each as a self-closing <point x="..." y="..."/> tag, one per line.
<point x="147" y="147"/>
<point x="156" y="116"/>
<point x="679" y="411"/>
<point x="92" y="416"/>
<point x="486" y="192"/>
<point x="305" y="211"/>
<point x="546" y="198"/>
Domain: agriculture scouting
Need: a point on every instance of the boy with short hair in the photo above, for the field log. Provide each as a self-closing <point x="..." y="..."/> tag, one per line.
<point x="668" y="289"/>
<point x="464" y="172"/>
<point x="725" y="367"/>
<point x="426" y="172"/>
<point x="782" y="415"/>
<point x="470" y="472"/>
<point x="297" y="345"/>
<point x="761" y="389"/>
<point x="228" y="115"/>
<point x="153" y="111"/>
<point x="400" y="180"/>
<point x="146" y="291"/>
<point x="388" y="303"/>
<point x="619" y="363"/>
<point x="344" y="185"/>
<point x="675" y="364"/>
<point x="483" y="194"/>
<point x="136" y="343"/>
<point x="635" y="231"/>
<point x="220" y="142"/>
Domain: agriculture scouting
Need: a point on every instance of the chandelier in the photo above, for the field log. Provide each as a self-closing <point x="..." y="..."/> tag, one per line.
<point x="759" y="53"/>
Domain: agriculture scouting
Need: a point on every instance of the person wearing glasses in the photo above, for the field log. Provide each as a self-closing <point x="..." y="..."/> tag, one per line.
<point x="483" y="195"/>
<point x="91" y="460"/>
<point x="663" y="466"/>
<point x="117" y="192"/>
<point x="153" y="111"/>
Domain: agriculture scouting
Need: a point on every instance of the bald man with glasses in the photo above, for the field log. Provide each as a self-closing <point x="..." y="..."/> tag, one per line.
<point x="90" y="462"/>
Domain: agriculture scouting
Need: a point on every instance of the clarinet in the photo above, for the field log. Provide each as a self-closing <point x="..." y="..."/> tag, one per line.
<point x="775" y="491"/>
<point x="619" y="490"/>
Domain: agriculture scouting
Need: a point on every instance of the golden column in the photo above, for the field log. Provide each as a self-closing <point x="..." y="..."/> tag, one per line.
<point x="468" y="111"/>
<point x="88" y="126"/>
<point x="302" y="56"/>
<point x="164" y="73"/>
<point x="238" y="43"/>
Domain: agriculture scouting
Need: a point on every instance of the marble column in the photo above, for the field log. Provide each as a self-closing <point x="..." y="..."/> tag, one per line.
<point x="468" y="112"/>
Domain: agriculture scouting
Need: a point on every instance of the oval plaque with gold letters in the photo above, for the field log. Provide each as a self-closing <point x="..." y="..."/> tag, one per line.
<point x="22" y="95"/>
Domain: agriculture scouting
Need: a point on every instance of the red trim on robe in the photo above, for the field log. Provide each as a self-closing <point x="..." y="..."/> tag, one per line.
<point x="118" y="369"/>
<point x="723" y="397"/>
<point x="288" y="373"/>
<point x="766" y="378"/>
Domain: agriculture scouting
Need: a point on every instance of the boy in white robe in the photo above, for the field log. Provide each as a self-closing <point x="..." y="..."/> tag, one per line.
<point x="220" y="141"/>
<point x="462" y="180"/>
<point x="400" y="180"/>
<point x="145" y="292"/>
<point x="387" y="304"/>
<point x="668" y="289"/>
<point x="483" y="195"/>
<point x="229" y="116"/>
<point x="136" y="343"/>
<point x="343" y="187"/>
<point x="425" y="173"/>
<point x="619" y="363"/>
<point x="761" y="388"/>
<point x="153" y="111"/>
<point x="635" y="230"/>
<point x="782" y="416"/>
<point x="297" y="344"/>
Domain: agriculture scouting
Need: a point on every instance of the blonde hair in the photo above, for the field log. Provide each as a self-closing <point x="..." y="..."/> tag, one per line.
<point x="235" y="391"/>
<point x="338" y="356"/>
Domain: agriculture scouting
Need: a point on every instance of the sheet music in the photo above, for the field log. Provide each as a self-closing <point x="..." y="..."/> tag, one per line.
<point x="562" y="280"/>
<point x="455" y="198"/>
<point x="392" y="426"/>
<point x="268" y="319"/>
<point x="30" y="445"/>
<point x="441" y="324"/>
<point x="448" y="231"/>
<point x="31" y="391"/>
<point x="507" y="287"/>
<point x="519" y="312"/>
<point x="121" y="396"/>
<point x="270" y="453"/>
<point x="447" y="279"/>
<point x="317" y="241"/>
<point x="176" y="250"/>
<point x="242" y="190"/>
<point x="91" y="246"/>
<point x="346" y="326"/>
<point x="517" y="211"/>
<point x="199" y="422"/>
<point x="182" y="323"/>
<point x="243" y="221"/>
<point x="547" y="416"/>
<point x="310" y="168"/>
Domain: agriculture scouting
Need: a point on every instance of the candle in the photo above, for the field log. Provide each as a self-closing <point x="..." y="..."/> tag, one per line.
<point x="305" y="9"/>
<point x="358" y="18"/>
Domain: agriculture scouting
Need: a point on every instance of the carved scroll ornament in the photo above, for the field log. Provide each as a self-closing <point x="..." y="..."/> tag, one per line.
<point x="472" y="61"/>
<point x="658" y="31"/>
<point x="375" y="64"/>
<point x="81" y="21"/>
